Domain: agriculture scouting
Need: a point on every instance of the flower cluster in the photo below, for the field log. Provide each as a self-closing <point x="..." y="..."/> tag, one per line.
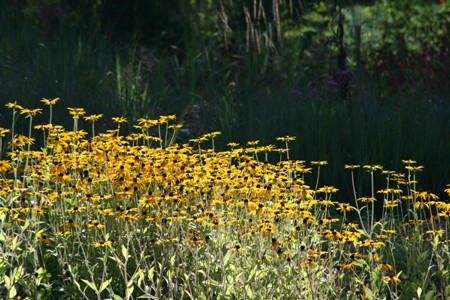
<point x="108" y="190"/>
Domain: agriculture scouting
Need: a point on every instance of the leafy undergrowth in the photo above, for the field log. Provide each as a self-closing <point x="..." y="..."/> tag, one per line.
<point x="140" y="217"/>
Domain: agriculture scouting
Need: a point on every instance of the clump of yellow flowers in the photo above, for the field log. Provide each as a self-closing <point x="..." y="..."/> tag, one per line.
<point x="152" y="217"/>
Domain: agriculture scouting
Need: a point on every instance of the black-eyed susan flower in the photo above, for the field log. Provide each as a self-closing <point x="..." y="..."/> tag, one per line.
<point x="384" y="266"/>
<point x="426" y="195"/>
<point x="238" y="248"/>
<point x="196" y="241"/>
<point x="286" y="138"/>
<point x="102" y="244"/>
<point x="76" y="209"/>
<point x="390" y="203"/>
<point x="351" y="166"/>
<point x="65" y="233"/>
<point x="3" y="131"/>
<point x="394" y="279"/>
<point x="30" y="112"/>
<point x="71" y="224"/>
<point x="408" y="161"/>
<point x="76" y="112"/>
<point x="94" y="224"/>
<point x="414" y="168"/>
<point x="5" y="167"/>
<point x="93" y="118"/>
<point x="119" y="119"/>
<point x="13" y="105"/>
<point x="309" y="263"/>
<point x="367" y="199"/>
<point x="344" y="207"/>
<point x="43" y="238"/>
<point x="372" y="168"/>
<point x="50" y="101"/>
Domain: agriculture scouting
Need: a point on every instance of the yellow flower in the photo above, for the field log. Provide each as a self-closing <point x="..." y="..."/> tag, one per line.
<point x="76" y="209"/>
<point x="447" y="190"/>
<point x="165" y="119"/>
<point x="426" y="195"/>
<point x="5" y="166"/>
<point x="76" y="112"/>
<point x="350" y="266"/>
<point x="319" y="163"/>
<point x="71" y="223"/>
<point x="391" y="279"/>
<point x="30" y="112"/>
<point x="344" y="207"/>
<point x="408" y="161"/>
<point x="196" y="241"/>
<point x="50" y="101"/>
<point x="147" y="123"/>
<point x="119" y="120"/>
<point x="390" y="203"/>
<point x="212" y="134"/>
<point x="414" y="168"/>
<point x="198" y="140"/>
<point x="94" y="224"/>
<point x="351" y="166"/>
<point x="63" y="233"/>
<point x="93" y="117"/>
<point x="102" y="244"/>
<point x="286" y="138"/>
<point x="237" y="248"/>
<point x="8" y="209"/>
<point x="371" y="243"/>
<point x="373" y="167"/>
<point x="327" y="189"/>
<point x="234" y="145"/>
<point x="176" y="126"/>
<point x="436" y="232"/>
<point x="3" y="131"/>
<point x="43" y="238"/>
<point x="389" y="231"/>
<point x="309" y="263"/>
<point x="367" y="199"/>
<point x="13" y="105"/>
<point x="384" y="267"/>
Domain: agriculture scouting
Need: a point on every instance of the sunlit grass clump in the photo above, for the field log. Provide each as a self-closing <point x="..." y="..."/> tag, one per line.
<point x="107" y="216"/>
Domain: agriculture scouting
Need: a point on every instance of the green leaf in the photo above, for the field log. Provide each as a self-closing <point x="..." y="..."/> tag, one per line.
<point x="429" y="295"/>
<point x="140" y="276"/>
<point x="252" y="274"/>
<point x="249" y="292"/>
<point x="226" y="258"/>
<point x="124" y="252"/>
<point x="419" y="291"/>
<point x="90" y="285"/>
<point x="7" y="281"/>
<point x="77" y="285"/>
<point x="129" y="292"/>
<point x="105" y="284"/>
<point x="190" y="295"/>
<point x="150" y="273"/>
<point x="12" y="292"/>
<point x="172" y="260"/>
<point x="369" y="294"/>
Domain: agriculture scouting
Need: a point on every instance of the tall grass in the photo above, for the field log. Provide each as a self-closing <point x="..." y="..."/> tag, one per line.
<point x="95" y="73"/>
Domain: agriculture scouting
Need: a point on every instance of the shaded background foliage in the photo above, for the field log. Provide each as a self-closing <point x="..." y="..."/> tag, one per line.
<point x="363" y="82"/>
